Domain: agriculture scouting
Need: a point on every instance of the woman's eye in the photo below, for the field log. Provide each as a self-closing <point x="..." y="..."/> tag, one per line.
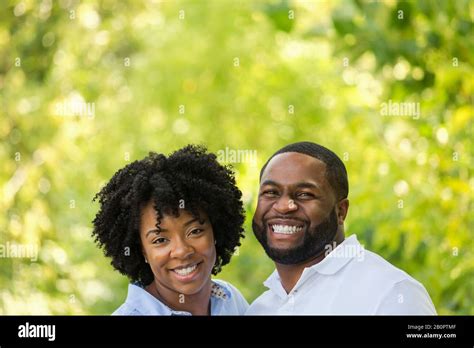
<point x="160" y="240"/>
<point x="196" y="231"/>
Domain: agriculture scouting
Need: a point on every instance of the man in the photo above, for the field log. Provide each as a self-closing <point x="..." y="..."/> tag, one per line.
<point x="299" y="221"/>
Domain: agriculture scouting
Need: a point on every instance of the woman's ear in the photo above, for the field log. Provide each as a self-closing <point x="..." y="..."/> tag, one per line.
<point x="144" y="255"/>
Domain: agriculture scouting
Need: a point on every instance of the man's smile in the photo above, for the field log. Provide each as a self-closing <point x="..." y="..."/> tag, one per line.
<point x="285" y="229"/>
<point x="285" y="226"/>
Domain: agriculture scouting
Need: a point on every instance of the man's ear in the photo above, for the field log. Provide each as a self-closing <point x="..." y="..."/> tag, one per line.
<point x="341" y="210"/>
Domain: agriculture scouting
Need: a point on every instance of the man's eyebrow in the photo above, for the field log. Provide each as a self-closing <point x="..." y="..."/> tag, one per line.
<point x="303" y="184"/>
<point x="270" y="182"/>
<point x="308" y="185"/>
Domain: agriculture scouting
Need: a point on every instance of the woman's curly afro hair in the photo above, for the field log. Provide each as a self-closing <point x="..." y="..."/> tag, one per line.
<point x="190" y="176"/>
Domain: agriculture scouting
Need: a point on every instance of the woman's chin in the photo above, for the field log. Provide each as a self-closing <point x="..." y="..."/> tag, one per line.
<point x="191" y="283"/>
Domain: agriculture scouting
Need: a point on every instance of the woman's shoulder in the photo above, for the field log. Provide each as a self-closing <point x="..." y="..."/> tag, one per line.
<point x="226" y="287"/>
<point x="140" y="302"/>
<point x="229" y="292"/>
<point x="126" y="309"/>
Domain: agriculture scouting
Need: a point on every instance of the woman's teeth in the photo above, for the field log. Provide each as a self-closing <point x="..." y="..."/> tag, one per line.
<point x="185" y="271"/>
<point x="285" y="229"/>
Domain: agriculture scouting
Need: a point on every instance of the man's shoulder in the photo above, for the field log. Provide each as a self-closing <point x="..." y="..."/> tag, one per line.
<point x="373" y="266"/>
<point x="262" y="304"/>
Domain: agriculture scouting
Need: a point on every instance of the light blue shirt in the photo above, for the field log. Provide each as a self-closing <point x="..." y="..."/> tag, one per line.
<point x="225" y="300"/>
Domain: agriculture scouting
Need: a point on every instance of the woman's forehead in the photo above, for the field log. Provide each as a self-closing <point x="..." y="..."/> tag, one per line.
<point x="149" y="213"/>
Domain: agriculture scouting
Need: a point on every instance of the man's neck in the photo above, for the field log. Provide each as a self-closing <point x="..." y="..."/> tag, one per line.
<point x="290" y="274"/>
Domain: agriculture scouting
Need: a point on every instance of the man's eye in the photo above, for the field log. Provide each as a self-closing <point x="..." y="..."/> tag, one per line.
<point x="269" y="193"/>
<point x="305" y="195"/>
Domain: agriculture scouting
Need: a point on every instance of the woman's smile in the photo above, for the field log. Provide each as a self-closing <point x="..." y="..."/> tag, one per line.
<point x="187" y="273"/>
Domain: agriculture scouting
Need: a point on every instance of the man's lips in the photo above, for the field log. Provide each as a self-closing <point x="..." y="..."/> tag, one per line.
<point x="285" y="226"/>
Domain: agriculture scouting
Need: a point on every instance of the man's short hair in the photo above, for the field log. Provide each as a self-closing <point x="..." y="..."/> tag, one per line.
<point x="336" y="173"/>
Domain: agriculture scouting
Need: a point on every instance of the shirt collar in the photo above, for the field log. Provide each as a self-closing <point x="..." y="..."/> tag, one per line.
<point x="147" y="304"/>
<point x="349" y="249"/>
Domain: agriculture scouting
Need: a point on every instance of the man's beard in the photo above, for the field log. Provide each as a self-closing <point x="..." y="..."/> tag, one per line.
<point x="314" y="242"/>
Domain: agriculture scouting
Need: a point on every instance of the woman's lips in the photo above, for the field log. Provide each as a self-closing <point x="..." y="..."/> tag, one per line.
<point x="187" y="273"/>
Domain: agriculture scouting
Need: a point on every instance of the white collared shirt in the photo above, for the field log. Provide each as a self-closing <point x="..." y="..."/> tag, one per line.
<point x="349" y="281"/>
<point x="225" y="300"/>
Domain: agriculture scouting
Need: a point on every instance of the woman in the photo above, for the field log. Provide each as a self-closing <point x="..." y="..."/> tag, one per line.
<point x="168" y="223"/>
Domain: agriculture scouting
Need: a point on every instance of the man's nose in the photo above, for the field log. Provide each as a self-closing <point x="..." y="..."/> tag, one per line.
<point x="285" y="205"/>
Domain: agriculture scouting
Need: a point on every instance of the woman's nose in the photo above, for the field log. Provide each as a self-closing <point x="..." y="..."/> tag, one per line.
<point x="182" y="249"/>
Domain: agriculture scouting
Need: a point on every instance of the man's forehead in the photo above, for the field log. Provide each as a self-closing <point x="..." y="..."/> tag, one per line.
<point x="290" y="166"/>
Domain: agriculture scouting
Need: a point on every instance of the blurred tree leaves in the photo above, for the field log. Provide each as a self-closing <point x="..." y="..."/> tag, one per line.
<point x="280" y="14"/>
<point x="242" y="75"/>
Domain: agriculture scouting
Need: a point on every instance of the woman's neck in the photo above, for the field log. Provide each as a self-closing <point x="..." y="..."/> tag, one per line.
<point x="196" y="304"/>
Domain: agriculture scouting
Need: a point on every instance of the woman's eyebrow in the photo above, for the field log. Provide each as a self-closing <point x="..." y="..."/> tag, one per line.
<point x="155" y="231"/>
<point x="193" y="220"/>
<point x="158" y="231"/>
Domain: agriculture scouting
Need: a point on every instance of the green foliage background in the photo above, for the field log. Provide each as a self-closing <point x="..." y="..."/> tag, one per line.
<point x="251" y="75"/>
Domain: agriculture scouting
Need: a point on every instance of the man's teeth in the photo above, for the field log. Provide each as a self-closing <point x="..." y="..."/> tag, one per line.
<point x="185" y="271"/>
<point x="285" y="229"/>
